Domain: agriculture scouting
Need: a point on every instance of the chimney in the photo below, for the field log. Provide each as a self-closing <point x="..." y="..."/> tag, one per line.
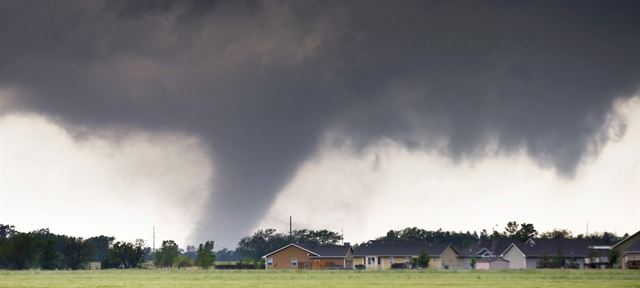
<point x="347" y="244"/>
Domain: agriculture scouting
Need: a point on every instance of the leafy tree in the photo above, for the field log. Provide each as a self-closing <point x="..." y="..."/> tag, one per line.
<point x="472" y="263"/>
<point x="101" y="244"/>
<point x="526" y="232"/>
<point x="7" y="231"/>
<point x="126" y="254"/>
<point x="423" y="260"/>
<point x="135" y="253"/>
<point x="391" y="235"/>
<point x="261" y="243"/>
<point x="167" y="254"/>
<point x="326" y="237"/>
<point x="265" y="241"/>
<point x="205" y="256"/>
<point x="225" y="254"/>
<point x="484" y="234"/>
<point x="605" y="237"/>
<point x="557" y="234"/>
<point x="21" y="251"/>
<point x="76" y="252"/>
<point x="496" y="235"/>
<point x="614" y="255"/>
<point x="49" y="256"/>
<point x="511" y="229"/>
<point x="183" y="261"/>
<point x="413" y="233"/>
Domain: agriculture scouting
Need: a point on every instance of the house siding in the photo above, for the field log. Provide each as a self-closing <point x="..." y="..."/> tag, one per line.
<point x="386" y="261"/>
<point x="358" y="261"/>
<point x="497" y="264"/>
<point x="516" y="258"/>
<point x="282" y="258"/>
<point x="465" y="262"/>
<point x="328" y="263"/>
<point x="627" y="257"/>
<point x="449" y="259"/>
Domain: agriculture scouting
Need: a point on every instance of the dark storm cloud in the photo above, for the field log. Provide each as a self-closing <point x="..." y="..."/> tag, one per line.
<point x="262" y="82"/>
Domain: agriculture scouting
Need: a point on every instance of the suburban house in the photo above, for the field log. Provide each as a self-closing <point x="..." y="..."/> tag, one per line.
<point x="499" y="253"/>
<point x="488" y="263"/>
<point x="539" y="253"/>
<point x="301" y="256"/>
<point x="484" y="249"/>
<point x="383" y="254"/>
<point x="628" y="252"/>
<point x="598" y="256"/>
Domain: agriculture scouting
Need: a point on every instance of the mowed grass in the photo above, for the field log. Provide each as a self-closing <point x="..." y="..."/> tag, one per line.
<point x="211" y="278"/>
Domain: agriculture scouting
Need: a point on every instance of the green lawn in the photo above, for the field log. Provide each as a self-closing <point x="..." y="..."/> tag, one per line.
<point x="198" y="278"/>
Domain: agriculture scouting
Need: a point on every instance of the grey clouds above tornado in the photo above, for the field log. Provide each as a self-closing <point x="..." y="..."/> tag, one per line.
<point x="262" y="82"/>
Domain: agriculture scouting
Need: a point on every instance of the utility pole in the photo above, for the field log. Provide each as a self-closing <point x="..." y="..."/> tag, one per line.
<point x="587" y="234"/>
<point x="290" y="227"/>
<point x="154" y="238"/>
<point x="342" y="234"/>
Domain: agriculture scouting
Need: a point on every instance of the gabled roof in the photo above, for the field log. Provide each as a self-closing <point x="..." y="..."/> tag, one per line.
<point x="496" y="246"/>
<point x="287" y="246"/>
<point x="328" y="250"/>
<point x="553" y="247"/>
<point x="491" y="259"/>
<point x="401" y="248"/>
<point x="317" y="251"/>
<point x="633" y="247"/>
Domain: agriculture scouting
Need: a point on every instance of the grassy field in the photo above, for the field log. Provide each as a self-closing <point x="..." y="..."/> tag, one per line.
<point x="197" y="278"/>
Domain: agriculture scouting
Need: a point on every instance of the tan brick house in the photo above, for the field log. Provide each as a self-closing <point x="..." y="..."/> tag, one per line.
<point x="301" y="256"/>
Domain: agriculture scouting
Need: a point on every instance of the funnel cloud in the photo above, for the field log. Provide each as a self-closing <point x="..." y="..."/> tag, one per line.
<point x="261" y="83"/>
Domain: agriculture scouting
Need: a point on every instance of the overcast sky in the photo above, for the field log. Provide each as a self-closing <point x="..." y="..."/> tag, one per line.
<point x="213" y="119"/>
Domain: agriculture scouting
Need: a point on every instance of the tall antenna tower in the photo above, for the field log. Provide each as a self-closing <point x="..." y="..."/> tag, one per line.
<point x="154" y="238"/>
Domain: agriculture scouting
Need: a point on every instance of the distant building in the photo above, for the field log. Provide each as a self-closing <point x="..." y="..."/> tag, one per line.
<point x="598" y="256"/>
<point x="549" y="253"/>
<point x="383" y="254"/>
<point x="628" y="252"/>
<point x="301" y="256"/>
<point x="93" y="265"/>
<point x="488" y="248"/>
<point x="488" y="263"/>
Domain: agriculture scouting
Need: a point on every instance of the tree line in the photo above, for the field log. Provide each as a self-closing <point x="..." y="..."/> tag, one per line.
<point x="45" y="250"/>
<point x="513" y="230"/>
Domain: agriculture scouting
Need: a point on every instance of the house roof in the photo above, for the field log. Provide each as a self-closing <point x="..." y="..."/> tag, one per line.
<point x="328" y="250"/>
<point x="495" y="246"/>
<point x="634" y="247"/>
<point x="491" y="259"/>
<point x="401" y="248"/>
<point x="600" y="252"/>
<point x="323" y="251"/>
<point x="552" y="247"/>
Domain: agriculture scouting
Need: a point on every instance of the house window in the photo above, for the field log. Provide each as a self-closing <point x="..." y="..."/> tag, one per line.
<point x="407" y="259"/>
<point x="294" y="262"/>
<point x="391" y="260"/>
<point x="371" y="260"/>
<point x="269" y="261"/>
